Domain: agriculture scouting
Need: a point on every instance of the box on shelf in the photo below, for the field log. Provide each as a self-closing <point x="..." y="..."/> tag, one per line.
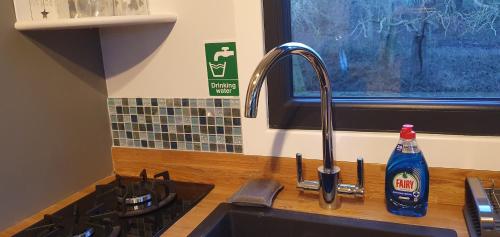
<point x="63" y="9"/>
<point x="131" y="7"/>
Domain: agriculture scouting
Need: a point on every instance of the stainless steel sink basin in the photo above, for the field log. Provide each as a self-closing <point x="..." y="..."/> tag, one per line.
<point x="230" y="220"/>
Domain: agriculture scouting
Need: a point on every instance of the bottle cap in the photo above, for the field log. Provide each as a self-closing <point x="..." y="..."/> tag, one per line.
<point x="407" y="132"/>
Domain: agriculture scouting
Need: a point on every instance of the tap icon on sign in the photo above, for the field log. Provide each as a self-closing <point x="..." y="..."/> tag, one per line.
<point x="219" y="69"/>
<point x="224" y="53"/>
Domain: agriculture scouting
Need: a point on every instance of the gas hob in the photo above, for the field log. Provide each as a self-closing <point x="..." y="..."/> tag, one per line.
<point x="129" y="206"/>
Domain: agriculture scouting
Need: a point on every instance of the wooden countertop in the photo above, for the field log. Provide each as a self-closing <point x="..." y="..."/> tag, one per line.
<point x="228" y="172"/>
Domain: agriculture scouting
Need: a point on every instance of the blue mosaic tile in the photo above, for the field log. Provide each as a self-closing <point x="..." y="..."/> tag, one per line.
<point x="176" y="123"/>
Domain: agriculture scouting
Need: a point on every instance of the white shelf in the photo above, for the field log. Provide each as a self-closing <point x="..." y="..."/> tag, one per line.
<point x="95" y="22"/>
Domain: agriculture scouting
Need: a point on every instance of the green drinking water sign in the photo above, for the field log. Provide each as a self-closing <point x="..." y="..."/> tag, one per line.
<point x="222" y="69"/>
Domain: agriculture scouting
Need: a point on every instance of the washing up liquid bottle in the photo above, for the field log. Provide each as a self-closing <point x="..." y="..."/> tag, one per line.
<point x="407" y="177"/>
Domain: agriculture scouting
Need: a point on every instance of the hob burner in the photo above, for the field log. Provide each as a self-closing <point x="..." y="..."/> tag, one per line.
<point x="143" y="196"/>
<point x="77" y="226"/>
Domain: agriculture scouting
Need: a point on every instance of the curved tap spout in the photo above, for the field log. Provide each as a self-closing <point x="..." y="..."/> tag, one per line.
<point x="259" y="75"/>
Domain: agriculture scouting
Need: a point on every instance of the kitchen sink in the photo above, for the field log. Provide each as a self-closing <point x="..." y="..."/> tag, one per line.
<point x="231" y="220"/>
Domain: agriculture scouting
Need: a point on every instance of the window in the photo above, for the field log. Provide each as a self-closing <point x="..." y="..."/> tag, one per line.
<point x="434" y="63"/>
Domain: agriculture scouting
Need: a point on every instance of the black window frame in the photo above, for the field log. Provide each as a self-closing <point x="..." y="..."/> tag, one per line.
<point x="451" y="116"/>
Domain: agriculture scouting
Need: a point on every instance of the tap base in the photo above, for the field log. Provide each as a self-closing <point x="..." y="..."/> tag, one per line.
<point x="328" y="183"/>
<point x="333" y="205"/>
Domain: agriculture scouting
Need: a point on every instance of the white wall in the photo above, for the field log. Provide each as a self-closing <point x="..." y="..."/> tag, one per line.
<point x="166" y="60"/>
<point x="171" y="64"/>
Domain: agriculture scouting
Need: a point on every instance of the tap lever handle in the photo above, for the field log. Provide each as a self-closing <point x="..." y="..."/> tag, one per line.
<point x="298" y="159"/>
<point x="301" y="183"/>
<point x="361" y="172"/>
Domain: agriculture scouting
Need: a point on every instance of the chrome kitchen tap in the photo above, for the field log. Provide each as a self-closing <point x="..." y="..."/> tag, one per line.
<point x="329" y="184"/>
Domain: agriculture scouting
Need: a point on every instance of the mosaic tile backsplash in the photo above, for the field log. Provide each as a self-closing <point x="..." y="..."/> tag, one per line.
<point x="178" y="124"/>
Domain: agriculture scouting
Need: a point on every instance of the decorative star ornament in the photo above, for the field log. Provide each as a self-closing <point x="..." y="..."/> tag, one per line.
<point x="45" y="13"/>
